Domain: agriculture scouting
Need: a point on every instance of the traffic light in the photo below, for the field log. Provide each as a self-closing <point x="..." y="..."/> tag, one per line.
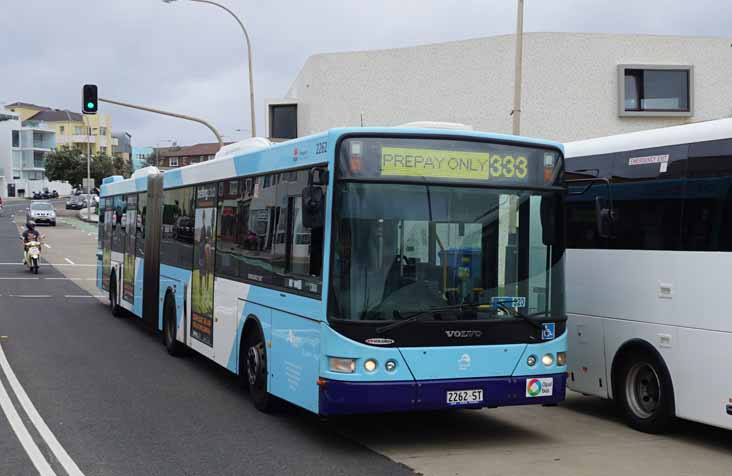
<point x="89" y="100"/>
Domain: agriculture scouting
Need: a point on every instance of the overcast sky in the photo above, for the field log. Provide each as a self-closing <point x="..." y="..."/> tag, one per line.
<point x="190" y="58"/>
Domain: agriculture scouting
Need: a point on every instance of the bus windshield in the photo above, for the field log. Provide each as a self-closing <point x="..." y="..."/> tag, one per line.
<point x="401" y="248"/>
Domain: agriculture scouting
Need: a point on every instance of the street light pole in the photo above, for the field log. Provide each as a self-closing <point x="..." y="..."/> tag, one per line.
<point x="249" y="58"/>
<point x="516" y="112"/>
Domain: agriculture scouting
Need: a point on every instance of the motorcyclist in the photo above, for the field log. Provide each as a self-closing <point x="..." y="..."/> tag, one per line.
<point x="30" y="233"/>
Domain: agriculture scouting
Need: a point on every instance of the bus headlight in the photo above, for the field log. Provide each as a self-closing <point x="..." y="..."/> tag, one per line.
<point x="341" y="365"/>
<point x="369" y="365"/>
<point x="547" y="360"/>
<point x="390" y="365"/>
<point x="531" y="361"/>
<point x="561" y="358"/>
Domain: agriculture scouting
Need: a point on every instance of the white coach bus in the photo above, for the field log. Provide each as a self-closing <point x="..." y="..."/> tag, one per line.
<point x="649" y="272"/>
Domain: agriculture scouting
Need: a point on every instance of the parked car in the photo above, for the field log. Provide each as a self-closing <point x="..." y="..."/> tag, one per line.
<point x="77" y="202"/>
<point x="42" y="212"/>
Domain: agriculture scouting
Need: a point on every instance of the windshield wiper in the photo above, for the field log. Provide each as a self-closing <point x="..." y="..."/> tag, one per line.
<point x="418" y="315"/>
<point x="516" y="313"/>
<point x="413" y="317"/>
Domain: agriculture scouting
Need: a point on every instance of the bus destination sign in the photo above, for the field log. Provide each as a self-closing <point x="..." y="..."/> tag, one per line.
<point x="454" y="164"/>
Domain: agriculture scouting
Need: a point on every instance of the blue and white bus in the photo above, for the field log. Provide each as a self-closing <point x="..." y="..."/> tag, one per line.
<point x="358" y="270"/>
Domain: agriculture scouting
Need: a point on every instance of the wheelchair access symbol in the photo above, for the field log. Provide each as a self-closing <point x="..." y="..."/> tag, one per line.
<point x="547" y="331"/>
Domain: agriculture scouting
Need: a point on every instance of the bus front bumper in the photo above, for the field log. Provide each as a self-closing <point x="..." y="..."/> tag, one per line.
<point x="342" y="398"/>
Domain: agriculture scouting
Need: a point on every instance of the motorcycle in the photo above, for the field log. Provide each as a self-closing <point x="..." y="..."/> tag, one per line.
<point x="32" y="255"/>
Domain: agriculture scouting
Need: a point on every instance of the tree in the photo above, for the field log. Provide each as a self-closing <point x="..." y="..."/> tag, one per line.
<point x="66" y="164"/>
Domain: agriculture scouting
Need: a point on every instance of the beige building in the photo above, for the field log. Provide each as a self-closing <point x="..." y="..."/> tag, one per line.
<point x="72" y="129"/>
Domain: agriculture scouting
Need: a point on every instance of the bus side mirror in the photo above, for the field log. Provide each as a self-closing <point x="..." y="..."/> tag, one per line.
<point x="548" y="212"/>
<point x="604" y="217"/>
<point x="313" y="207"/>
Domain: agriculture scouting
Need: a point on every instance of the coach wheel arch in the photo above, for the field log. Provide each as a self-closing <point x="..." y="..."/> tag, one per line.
<point x="640" y="377"/>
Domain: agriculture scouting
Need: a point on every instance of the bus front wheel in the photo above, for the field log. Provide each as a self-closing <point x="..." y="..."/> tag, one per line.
<point x="255" y="371"/>
<point x="645" y="393"/>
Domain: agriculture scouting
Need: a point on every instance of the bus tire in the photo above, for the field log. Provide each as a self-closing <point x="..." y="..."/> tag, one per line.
<point x="116" y="309"/>
<point x="254" y="365"/>
<point x="170" y="322"/>
<point x="644" y="392"/>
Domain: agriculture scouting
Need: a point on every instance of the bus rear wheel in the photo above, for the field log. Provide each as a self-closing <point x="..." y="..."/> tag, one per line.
<point x="116" y="309"/>
<point x="255" y="371"/>
<point x="170" y="326"/>
<point x="645" y="393"/>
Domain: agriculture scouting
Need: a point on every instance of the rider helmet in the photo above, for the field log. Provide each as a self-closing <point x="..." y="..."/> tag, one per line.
<point x="31" y="225"/>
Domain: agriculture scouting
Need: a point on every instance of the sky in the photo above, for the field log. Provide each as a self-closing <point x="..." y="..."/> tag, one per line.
<point x="190" y="57"/>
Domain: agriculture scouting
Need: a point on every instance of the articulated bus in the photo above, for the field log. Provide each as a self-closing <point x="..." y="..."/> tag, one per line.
<point x="649" y="220"/>
<point x="354" y="271"/>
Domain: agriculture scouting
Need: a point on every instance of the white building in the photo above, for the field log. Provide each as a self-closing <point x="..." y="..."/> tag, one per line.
<point x="23" y="150"/>
<point x="575" y="85"/>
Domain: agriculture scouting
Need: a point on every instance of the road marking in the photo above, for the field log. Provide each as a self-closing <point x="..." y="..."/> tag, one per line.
<point x="63" y="457"/>
<point x="69" y="261"/>
<point x="20" y="278"/>
<point x="49" y="264"/>
<point x="47" y="245"/>
<point x="83" y="296"/>
<point x="30" y="295"/>
<point x="30" y="447"/>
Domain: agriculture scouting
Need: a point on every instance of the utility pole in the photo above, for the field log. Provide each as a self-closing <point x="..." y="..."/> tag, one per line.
<point x="516" y="112"/>
<point x="248" y="45"/>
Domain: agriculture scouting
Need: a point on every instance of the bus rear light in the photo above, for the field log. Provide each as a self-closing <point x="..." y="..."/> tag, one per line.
<point x="342" y="365"/>
<point x="321" y="382"/>
<point x="561" y="358"/>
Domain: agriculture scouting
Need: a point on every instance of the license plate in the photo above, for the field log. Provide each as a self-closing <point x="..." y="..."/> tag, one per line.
<point x="463" y="397"/>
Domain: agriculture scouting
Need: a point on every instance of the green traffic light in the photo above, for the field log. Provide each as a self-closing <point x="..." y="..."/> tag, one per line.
<point x="90" y="105"/>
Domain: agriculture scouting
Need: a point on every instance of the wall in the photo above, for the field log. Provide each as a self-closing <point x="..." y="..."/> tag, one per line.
<point x="570" y="88"/>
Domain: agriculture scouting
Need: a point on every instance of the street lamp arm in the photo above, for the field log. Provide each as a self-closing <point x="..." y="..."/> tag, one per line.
<point x="171" y="114"/>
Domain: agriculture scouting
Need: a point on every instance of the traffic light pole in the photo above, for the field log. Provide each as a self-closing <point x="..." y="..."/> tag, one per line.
<point x="171" y="114"/>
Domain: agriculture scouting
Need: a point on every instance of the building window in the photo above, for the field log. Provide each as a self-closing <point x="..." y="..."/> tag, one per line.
<point x="283" y="121"/>
<point x="102" y="131"/>
<point x="16" y="138"/>
<point x="103" y="149"/>
<point x="61" y="130"/>
<point x="173" y="162"/>
<point x="655" y="90"/>
<point x="78" y="130"/>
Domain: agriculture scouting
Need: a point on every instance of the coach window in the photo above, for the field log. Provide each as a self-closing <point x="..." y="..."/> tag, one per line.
<point x="584" y="196"/>
<point x="708" y="204"/>
<point x="176" y="234"/>
<point x="648" y="190"/>
<point x="655" y="90"/>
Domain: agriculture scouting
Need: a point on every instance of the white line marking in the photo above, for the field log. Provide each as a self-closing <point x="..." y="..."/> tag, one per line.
<point x="82" y="296"/>
<point x="30" y="295"/>
<point x="47" y="245"/>
<point x="69" y="261"/>
<point x="19" y="278"/>
<point x="63" y="457"/>
<point x="24" y="437"/>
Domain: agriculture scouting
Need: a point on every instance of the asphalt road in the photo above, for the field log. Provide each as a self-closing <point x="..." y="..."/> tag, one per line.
<point x="119" y="404"/>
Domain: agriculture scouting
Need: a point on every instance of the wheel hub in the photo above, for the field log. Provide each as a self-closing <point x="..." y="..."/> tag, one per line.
<point x="254" y="364"/>
<point x="643" y="389"/>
